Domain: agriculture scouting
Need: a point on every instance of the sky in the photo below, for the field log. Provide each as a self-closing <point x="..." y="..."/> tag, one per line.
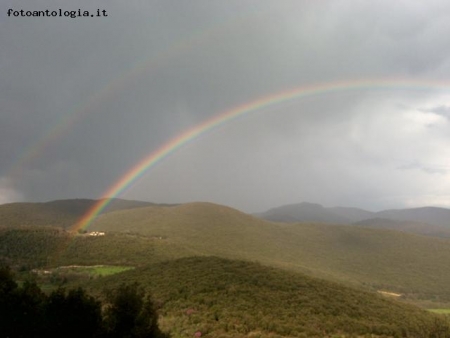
<point x="84" y="100"/>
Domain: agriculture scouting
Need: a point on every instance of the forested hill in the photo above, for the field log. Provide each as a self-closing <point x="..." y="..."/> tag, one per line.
<point x="229" y="298"/>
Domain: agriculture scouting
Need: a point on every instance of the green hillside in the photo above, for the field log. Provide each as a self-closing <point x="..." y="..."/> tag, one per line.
<point x="60" y="213"/>
<point x="229" y="298"/>
<point x="414" y="265"/>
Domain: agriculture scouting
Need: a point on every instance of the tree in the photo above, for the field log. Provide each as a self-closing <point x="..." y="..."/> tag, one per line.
<point x="131" y="314"/>
<point x="26" y="311"/>
<point x="20" y="307"/>
<point x="7" y="283"/>
<point x="75" y="314"/>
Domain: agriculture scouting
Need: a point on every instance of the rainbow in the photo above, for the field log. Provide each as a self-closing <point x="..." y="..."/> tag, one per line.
<point x="228" y="116"/>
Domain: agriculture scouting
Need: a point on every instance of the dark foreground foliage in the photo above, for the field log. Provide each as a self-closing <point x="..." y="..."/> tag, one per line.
<point x="25" y="311"/>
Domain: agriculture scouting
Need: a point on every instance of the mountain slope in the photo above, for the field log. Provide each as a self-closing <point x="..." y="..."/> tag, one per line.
<point x="377" y="258"/>
<point x="406" y="226"/>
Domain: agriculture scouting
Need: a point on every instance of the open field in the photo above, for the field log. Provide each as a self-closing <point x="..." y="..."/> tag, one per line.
<point x="51" y="278"/>
<point x="89" y="271"/>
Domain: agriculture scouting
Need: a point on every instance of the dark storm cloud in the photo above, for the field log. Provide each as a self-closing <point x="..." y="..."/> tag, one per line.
<point x="152" y="69"/>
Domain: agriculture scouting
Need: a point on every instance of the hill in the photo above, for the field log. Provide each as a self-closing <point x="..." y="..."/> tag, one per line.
<point x="379" y="259"/>
<point x="305" y="212"/>
<point x="60" y="213"/>
<point x="228" y="298"/>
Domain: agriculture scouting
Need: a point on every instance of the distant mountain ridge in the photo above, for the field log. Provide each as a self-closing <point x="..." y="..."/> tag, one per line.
<point x="425" y="220"/>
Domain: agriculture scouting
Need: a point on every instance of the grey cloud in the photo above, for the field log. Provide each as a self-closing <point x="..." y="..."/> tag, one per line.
<point x="432" y="170"/>
<point x="443" y="111"/>
<point x="154" y="69"/>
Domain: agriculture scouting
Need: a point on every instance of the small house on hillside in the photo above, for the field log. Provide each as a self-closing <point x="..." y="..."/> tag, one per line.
<point x="96" y="233"/>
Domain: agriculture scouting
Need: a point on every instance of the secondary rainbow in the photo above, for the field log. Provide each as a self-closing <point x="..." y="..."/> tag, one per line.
<point x="230" y="115"/>
<point x="68" y="120"/>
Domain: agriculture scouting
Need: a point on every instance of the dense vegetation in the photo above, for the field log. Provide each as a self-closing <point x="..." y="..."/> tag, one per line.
<point x="229" y="298"/>
<point x="26" y="248"/>
<point x="25" y="311"/>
